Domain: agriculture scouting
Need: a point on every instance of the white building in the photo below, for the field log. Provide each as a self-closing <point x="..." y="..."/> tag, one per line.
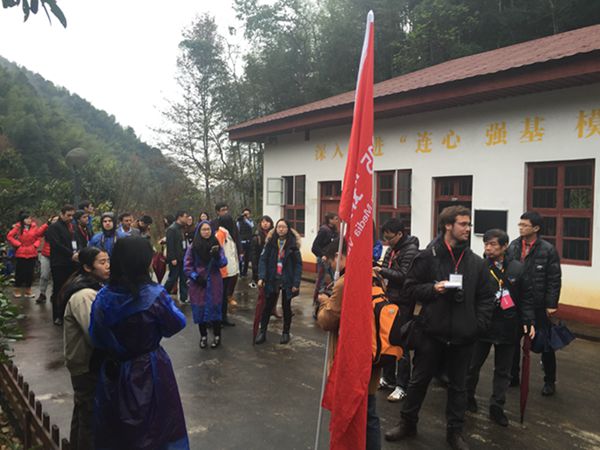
<point x="501" y="132"/>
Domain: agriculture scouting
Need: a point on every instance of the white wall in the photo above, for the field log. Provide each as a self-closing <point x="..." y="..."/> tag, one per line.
<point x="498" y="171"/>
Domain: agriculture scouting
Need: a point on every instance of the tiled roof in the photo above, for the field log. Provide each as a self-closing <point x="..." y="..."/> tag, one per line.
<point x="530" y="53"/>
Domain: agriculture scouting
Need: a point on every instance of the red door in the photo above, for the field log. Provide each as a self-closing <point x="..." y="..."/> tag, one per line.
<point x="329" y="201"/>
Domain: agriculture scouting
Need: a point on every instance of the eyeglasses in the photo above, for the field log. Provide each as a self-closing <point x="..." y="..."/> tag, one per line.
<point x="524" y="225"/>
<point x="464" y="224"/>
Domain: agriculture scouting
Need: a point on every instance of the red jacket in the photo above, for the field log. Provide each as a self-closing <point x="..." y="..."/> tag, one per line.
<point x="27" y="242"/>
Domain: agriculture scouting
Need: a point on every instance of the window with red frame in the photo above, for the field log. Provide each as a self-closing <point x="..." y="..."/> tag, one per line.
<point x="293" y="208"/>
<point x="563" y="193"/>
<point x="393" y="196"/>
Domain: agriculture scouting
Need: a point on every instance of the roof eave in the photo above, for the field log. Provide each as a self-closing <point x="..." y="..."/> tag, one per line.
<point x="575" y="70"/>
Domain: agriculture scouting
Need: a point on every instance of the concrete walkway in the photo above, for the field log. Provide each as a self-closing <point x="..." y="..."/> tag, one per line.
<point x="266" y="397"/>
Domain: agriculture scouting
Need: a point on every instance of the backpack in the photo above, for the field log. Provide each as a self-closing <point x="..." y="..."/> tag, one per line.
<point x="386" y="347"/>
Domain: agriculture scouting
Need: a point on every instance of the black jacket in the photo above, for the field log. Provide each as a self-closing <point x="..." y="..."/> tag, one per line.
<point x="60" y="237"/>
<point x="292" y="264"/>
<point x="256" y="247"/>
<point x="244" y="228"/>
<point x="396" y="263"/>
<point x="175" y="243"/>
<point x="506" y="324"/>
<point x="325" y="236"/>
<point x="81" y="236"/>
<point x="457" y="316"/>
<point x="542" y="267"/>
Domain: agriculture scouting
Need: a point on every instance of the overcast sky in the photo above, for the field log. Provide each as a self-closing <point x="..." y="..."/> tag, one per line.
<point x="118" y="54"/>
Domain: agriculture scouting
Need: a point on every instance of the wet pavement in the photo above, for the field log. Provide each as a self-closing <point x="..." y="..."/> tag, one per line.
<point x="241" y="396"/>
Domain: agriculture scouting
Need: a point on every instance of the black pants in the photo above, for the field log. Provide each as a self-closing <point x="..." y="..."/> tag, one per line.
<point x="24" y="272"/>
<point x="216" y="327"/>
<point x="60" y="274"/>
<point x="503" y="356"/>
<point x="176" y="274"/>
<point x="542" y="322"/>
<point x="399" y="373"/>
<point x="84" y="389"/>
<point x="270" y="302"/>
<point x="246" y="246"/>
<point x="373" y="425"/>
<point x="427" y="357"/>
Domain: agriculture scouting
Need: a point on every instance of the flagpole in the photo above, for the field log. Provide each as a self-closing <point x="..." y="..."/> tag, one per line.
<point x="336" y="276"/>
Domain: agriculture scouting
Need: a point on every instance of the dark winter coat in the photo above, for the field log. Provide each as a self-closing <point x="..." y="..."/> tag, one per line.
<point x="292" y="264"/>
<point x="396" y="263"/>
<point x="81" y="236"/>
<point x="542" y="267"/>
<point x="457" y="316"/>
<point x="176" y="244"/>
<point x="506" y="324"/>
<point x="60" y="236"/>
<point x="256" y="247"/>
<point x="245" y="228"/>
<point x="325" y="236"/>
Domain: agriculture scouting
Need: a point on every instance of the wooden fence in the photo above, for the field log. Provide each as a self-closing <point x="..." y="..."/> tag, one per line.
<point x="33" y="422"/>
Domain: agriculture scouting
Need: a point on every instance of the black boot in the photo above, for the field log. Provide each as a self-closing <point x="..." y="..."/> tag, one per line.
<point x="456" y="441"/>
<point x="261" y="337"/>
<point x="285" y="338"/>
<point x="497" y="415"/>
<point x="401" y="431"/>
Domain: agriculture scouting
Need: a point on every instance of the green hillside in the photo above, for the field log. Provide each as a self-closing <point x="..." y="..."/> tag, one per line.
<point x="40" y="123"/>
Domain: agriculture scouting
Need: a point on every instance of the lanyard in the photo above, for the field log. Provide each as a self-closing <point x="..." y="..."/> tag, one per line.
<point x="499" y="280"/>
<point x="456" y="264"/>
<point x="281" y="249"/>
<point x="392" y="258"/>
<point x="526" y="248"/>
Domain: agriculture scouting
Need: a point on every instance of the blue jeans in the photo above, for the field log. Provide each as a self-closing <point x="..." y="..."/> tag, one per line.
<point x="176" y="272"/>
<point x="373" y="425"/>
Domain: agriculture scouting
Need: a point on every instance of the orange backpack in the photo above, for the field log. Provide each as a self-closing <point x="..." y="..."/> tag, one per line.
<point x="386" y="328"/>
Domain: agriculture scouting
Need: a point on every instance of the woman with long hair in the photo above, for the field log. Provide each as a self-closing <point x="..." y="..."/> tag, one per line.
<point x="137" y="401"/>
<point x="280" y="270"/>
<point x="83" y="363"/>
<point x="202" y="266"/>
<point x="25" y="238"/>
<point x="265" y="224"/>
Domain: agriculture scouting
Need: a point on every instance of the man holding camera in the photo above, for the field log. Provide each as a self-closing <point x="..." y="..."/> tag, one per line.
<point x="454" y="286"/>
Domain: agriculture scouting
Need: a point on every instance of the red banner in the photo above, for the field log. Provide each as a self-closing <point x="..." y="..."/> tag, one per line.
<point x="347" y="385"/>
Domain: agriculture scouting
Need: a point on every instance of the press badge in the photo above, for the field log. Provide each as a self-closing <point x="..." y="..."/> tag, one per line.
<point x="456" y="281"/>
<point x="74" y="245"/>
<point x="506" y="301"/>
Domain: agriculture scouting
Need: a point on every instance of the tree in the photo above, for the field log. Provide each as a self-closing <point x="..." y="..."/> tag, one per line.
<point x="32" y="7"/>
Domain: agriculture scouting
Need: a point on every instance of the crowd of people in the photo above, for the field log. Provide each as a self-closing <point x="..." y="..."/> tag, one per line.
<point x="467" y="304"/>
<point x="116" y="311"/>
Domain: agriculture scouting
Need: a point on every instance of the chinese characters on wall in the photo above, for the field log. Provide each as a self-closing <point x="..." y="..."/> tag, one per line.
<point x="495" y="134"/>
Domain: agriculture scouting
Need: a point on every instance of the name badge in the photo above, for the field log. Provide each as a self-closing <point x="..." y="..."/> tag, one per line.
<point x="184" y="244"/>
<point x="74" y="245"/>
<point x="506" y="301"/>
<point x="455" y="282"/>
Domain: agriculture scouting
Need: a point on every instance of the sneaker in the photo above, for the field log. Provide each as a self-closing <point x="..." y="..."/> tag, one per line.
<point x="397" y="395"/>
<point x="472" y="405"/>
<point x="216" y="342"/>
<point x="548" y="390"/>
<point x="41" y="299"/>
<point x="253" y="285"/>
<point x="384" y="384"/>
<point x="17" y="294"/>
<point x="497" y="415"/>
<point x="203" y="342"/>
<point x="58" y="322"/>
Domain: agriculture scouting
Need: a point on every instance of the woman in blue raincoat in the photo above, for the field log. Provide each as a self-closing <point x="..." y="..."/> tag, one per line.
<point x="202" y="263"/>
<point x="137" y="400"/>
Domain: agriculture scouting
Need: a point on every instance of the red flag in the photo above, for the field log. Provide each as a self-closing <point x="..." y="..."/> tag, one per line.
<point x="346" y="392"/>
